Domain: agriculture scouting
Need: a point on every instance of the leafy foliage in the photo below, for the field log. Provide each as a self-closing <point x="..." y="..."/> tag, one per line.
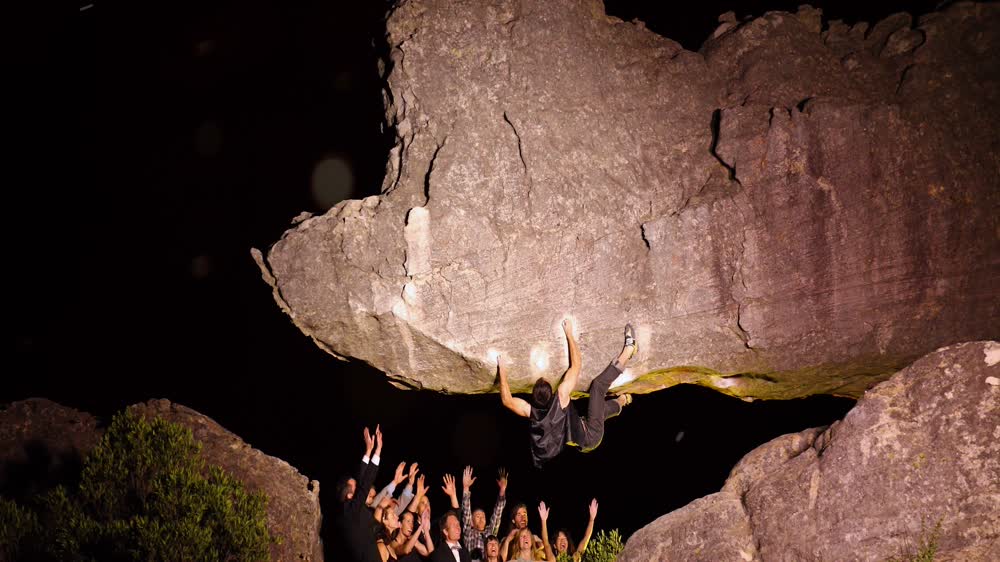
<point x="16" y="524"/>
<point x="146" y="494"/>
<point x="604" y="547"/>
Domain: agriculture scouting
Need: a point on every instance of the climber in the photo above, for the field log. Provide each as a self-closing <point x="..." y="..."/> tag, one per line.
<point x="554" y="423"/>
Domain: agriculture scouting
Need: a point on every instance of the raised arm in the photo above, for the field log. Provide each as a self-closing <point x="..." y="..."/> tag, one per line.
<point x="467" y="480"/>
<point x="390" y="488"/>
<point x="449" y="489"/>
<point x="421" y="492"/>
<point x="369" y="469"/>
<point x="543" y="514"/>
<point x="505" y="544"/>
<point x="572" y="375"/>
<point x="421" y="532"/>
<point x="516" y="405"/>
<point x="427" y="548"/>
<point x="407" y="496"/>
<point x="494" y="528"/>
<point x="590" y="527"/>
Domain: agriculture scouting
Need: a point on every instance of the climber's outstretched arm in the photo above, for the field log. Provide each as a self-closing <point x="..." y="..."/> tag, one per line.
<point x="516" y="405"/>
<point x="572" y="375"/>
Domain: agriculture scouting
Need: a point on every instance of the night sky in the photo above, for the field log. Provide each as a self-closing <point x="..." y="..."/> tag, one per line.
<point x="199" y="128"/>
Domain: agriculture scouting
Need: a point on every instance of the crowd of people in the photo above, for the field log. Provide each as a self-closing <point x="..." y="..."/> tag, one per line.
<point x="396" y="522"/>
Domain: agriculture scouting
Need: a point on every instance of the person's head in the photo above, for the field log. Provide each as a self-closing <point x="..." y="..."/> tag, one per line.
<point x="371" y="496"/>
<point x="524" y="540"/>
<point x="492" y="547"/>
<point x="345" y="488"/>
<point x="520" y="518"/>
<point x="541" y="393"/>
<point x="564" y="543"/>
<point x="390" y="519"/>
<point x="407" y="522"/>
<point x="451" y="528"/>
<point x="478" y="519"/>
<point x="423" y="505"/>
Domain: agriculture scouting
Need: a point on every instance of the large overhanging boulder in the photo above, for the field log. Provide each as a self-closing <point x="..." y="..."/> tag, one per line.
<point x="790" y="211"/>
<point x="912" y="467"/>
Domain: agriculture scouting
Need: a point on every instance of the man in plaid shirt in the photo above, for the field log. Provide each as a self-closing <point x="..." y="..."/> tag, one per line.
<point x="474" y="529"/>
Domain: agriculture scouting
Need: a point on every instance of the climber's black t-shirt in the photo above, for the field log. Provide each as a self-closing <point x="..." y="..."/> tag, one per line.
<point x="551" y="428"/>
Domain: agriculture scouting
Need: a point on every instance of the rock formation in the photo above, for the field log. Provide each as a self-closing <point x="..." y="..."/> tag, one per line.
<point x="41" y="440"/>
<point x="915" y="461"/>
<point x="798" y="208"/>
<point x="42" y="445"/>
<point x="293" y="509"/>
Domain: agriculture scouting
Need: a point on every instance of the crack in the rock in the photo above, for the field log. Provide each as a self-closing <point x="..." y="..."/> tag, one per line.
<point x="715" y="125"/>
<point x="520" y="150"/>
<point x="902" y="77"/>
<point x="743" y="333"/>
<point x="399" y="165"/>
<point x="701" y="189"/>
<point x="430" y="169"/>
<point x="738" y="270"/>
<point x="824" y="439"/>
<point x="642" y="232"/>
<point x="524" y="163"/>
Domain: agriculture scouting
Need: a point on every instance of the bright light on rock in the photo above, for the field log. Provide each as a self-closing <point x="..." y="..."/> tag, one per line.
<point x="539" y="359"/>
<point x="724" y="383"/>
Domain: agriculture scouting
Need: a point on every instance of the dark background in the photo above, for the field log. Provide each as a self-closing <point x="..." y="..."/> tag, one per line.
<point x="198" y="126"/>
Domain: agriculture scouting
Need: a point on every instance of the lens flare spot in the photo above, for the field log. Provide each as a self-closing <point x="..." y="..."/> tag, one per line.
<point x="332" y="181"/>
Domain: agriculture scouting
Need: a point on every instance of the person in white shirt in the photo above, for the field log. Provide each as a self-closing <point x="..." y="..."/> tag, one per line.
<point x="450" y="548"/>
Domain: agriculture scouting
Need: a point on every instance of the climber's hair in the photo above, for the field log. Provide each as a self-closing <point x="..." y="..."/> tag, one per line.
<point x="541" y="393"/>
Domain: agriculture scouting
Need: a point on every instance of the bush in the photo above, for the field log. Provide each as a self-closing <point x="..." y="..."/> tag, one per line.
<point x="604" y="547"/>
<point x="145" y="494"/>
<point x="16" y="525"/>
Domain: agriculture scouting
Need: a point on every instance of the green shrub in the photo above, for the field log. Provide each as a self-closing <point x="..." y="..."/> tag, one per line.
<point x="16" y="525"/>
<point x="146" y="494"/>
<point x="604" y="547"/>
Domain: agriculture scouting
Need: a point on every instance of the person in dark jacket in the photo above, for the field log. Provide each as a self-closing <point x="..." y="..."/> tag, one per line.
<point x="554" y="423"/>
<point x="355" y="521"/>
<point x="450" y="549"/>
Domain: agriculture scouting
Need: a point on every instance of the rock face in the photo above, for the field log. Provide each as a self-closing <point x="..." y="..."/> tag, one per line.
<point x="39" y="440"/>
<point x="918" y="450"/>
<point x="293" y="509"/>
<point x="42" y="445"/>
<point x="790" y="211"/>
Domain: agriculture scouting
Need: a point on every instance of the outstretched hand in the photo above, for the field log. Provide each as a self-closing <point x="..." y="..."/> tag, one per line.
<point x="378" y="440"/>
<point x="369" y="442"/>
<point x="502" y="480"/>
<point x="421" y="488"/>
<point x="413" y="473"/>
<point x="593" y="509"/>
<point x="400" y="473"/>
<point x="467" y="478"/>
<point x="449" y="484"/>
<point x="543" y="512"/>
